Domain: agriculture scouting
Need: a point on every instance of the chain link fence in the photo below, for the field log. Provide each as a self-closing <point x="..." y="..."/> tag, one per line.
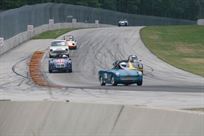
<point x="15" y="21"/>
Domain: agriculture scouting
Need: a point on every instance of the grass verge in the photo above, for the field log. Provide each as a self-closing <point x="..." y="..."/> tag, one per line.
<point x="53" y="34"/>
<point x="180" y="46"/>
<point x="196" y="109"/>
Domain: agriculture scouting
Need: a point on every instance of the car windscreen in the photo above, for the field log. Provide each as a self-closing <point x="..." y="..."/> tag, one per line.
<point x="58" y="43"/>
<point x="134" y="58"/>
<point x="69" y="38"/>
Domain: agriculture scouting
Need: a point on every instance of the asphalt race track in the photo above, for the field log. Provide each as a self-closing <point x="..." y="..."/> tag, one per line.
<point x="164" y="86"/>
<point x="99" y="48"/>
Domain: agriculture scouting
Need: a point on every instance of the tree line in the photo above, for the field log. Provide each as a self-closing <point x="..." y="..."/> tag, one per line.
<point x="183" y="9"/>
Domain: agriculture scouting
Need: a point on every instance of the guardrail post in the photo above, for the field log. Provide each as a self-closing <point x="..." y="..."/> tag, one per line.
<point x="97" y="23"/>
<point x="74" y="21"/>
<point x="51" y="24"/>
<point x="200" y="21"/>
<point x="30" y="29"/>
<point x="1" y="41"/>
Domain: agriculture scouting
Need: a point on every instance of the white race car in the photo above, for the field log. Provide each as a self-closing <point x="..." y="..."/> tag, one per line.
<point x="58" y="47"/>
<point x="123" y="23"/>
<point x="71" y="42"/>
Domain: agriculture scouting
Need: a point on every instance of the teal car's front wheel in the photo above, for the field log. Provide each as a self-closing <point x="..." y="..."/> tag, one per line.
<point x="102" y="82"/>
<point x="113" y="82"/>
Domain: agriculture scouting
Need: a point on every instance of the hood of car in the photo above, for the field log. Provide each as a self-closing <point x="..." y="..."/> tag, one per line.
<point x="122" y="21"/>
<point x="70" y="43"/>
<point x="59" y="61"/>
<point x="55" y="48"/>
<point x="126" y="72"/>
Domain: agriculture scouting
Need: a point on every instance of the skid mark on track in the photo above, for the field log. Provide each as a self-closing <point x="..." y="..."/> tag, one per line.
<point x="21" y="82"/>
<point x="118" y="117"/>
<point x="10" y="82"/>
<point x="16" y="64"/>
<point x="149" y="72"/>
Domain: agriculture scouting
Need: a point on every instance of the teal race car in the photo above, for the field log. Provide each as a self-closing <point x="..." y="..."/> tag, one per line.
<point x="120" y="74"/>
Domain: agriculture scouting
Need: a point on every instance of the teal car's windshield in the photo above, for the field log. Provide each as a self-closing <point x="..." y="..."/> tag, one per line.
<point x="119" y="65"/>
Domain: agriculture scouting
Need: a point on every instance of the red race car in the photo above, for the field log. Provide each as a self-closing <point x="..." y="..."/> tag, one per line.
<point x="71" y="42"/>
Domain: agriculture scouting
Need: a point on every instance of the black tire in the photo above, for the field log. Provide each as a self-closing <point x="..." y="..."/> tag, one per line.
<point x="113" y="81"/>
<point x="139" y="83"/>
<point x="102" y="83"/>
<point x="69" y="70"/>
<point x="49" y="68"/>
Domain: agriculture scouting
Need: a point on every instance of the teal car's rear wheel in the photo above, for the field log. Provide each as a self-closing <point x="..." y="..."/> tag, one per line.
<point x="113" y="82"/>
<point x="139" y="83"/>
<point x="102" y="82"/>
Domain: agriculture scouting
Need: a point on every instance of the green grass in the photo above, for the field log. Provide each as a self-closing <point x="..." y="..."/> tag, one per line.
<point x="180" y="46"/>
<point x="53" y="34"/>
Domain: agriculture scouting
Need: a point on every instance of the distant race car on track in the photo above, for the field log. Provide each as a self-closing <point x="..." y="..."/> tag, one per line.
<point x="120" y="74"/>
<point x="58" y="47"/>
<point x="123" y="23"/>
<point x="71" y="42"/>
<point x="61" y="63"/>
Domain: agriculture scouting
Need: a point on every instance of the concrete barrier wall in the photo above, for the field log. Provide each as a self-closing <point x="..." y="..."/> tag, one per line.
<point x="14" y="21"/>
<point x="200" y="22"/>
<point x="68" y="119"/>
<point x="27" y="35"/>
